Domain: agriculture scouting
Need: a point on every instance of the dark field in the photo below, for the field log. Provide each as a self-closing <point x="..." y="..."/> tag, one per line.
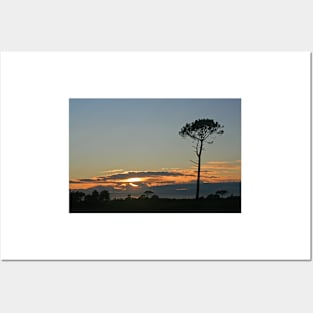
<point x="218" y="205"/>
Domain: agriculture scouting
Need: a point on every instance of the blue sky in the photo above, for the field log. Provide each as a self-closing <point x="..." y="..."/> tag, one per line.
<point x="142" y="134"/>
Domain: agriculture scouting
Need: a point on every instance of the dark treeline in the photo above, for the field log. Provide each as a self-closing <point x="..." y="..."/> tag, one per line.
<point x="150" y="202"/>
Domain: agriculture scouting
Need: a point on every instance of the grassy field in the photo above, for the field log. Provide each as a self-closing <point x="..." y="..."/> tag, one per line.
<point x="219" y="205"/>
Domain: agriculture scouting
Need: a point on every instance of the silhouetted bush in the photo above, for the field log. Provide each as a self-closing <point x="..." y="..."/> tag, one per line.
<point x="100" y="202"/>
<point x="213" y="196"/>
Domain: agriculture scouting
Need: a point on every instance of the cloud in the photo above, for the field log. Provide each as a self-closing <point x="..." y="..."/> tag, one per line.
<point x="75" y="181"/>
<point x="222" y="171"/>
<point x="110" y="172"/>
<point x="213" y="165"/>
<point x="213" y="171"/>
<point x="87" y="180"/>
<point x="144" y="174"/>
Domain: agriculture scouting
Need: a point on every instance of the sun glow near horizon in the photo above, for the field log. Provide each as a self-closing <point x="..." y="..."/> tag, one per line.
<point x="212" y="172"/>
<point x="134" y="180"/>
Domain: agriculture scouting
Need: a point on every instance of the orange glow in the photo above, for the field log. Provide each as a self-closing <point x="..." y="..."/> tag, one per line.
<point x="134" y="180"/>
<point x="211" y="172"/>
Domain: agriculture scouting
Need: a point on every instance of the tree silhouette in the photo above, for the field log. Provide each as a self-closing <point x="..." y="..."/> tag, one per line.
<point x="93" y="198"/>
<point x="201" y="131"/>
<point x="104" y="196"/>
<point x="76" y="196"/>
<point x="95" y="195"/>
<point x="221" y="193"/>
<point x="148" y="193"/>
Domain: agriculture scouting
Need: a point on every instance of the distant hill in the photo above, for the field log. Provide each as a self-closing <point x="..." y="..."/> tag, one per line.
<point x="188" y="190"/>
<point x="177" y="191"/>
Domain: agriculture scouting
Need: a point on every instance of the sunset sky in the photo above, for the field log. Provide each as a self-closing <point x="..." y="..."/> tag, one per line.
<point x="129" y="143"/>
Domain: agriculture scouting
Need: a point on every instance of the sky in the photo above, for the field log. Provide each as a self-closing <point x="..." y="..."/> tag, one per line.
<point x="134" y="142"/>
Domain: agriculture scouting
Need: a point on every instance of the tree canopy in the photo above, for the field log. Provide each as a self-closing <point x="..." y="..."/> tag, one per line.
<point x="201" y="131"/>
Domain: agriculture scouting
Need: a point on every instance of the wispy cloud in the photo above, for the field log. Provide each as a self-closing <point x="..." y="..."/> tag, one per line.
<point x="217" y="171"/>
<point x="110" y="172"/>
<point x="222" y="171"/>
<point x="144" y="174"/>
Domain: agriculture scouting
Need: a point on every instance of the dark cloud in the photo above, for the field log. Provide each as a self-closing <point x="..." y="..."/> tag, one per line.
<point x="101" y="179"/>
<point x="154" y="176"/>
<point x="87" y="180"/>
<point x="144" y="174"/>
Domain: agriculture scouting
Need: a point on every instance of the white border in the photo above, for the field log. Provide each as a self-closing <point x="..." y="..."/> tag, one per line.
<point x="275" y="93"/>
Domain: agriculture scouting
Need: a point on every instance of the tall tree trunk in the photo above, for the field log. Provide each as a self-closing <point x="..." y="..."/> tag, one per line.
<point x="199" y="170"/>
<point x="198" y="179"/>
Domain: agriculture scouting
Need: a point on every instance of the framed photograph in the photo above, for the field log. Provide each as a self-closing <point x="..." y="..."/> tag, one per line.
<point x="128" y="156"/>
<point x="155" y="155"/>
